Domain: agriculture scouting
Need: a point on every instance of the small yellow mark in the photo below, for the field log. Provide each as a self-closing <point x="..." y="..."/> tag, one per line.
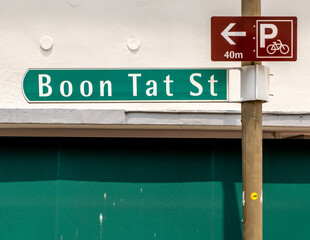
<point x="254" y="196"/>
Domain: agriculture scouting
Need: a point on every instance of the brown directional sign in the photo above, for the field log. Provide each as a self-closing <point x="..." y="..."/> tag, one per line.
<point x="254" y="38"/>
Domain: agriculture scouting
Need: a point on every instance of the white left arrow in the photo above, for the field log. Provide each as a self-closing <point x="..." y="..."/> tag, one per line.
<point x="227" y="34"/>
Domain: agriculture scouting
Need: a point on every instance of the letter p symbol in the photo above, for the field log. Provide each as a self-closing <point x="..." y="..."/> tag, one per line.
<point x="264" y="35"/>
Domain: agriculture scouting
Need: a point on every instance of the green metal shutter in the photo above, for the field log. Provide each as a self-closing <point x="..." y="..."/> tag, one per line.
<point x="68" y="188"/>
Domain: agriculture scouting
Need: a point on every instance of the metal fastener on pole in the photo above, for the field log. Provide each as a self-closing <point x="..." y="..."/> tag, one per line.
<point x="254" y="83"/>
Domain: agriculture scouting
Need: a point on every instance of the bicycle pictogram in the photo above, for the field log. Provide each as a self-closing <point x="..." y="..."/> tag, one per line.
<point x="278" y="46"/>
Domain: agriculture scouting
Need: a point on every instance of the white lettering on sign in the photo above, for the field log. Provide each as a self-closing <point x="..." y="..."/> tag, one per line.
<point x="105" y="83"/>
<point x="152" y="91"/>
<point x="151" y="88"/>
<point x="168" y="81"/>
<point x="43" y="85"/>
<point x="62" y="88"/>
<point x="134" y="82"/>
<point x="196" y="84"/>
<point x="90" y="88"/>
<point x="212" y="81"/>
<point x="264" y="35"/>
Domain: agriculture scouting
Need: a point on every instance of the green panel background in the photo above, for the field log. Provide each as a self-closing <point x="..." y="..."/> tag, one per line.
<point x="146" y="189"/>
<point x="122" y="86"/>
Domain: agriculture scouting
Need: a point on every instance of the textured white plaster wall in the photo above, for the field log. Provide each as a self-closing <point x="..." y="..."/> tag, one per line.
<point x="173" y="33"/>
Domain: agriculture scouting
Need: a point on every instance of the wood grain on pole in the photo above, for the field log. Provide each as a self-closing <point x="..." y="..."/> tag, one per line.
<point x="252" y="168"/>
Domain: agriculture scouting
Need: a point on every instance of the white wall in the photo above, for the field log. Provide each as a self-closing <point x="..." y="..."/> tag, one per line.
<point x="173" y="33"/>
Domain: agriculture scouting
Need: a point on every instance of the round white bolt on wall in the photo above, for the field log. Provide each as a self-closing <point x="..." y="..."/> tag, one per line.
<point x="133" y="44"/>
<point x="46" y="43"/>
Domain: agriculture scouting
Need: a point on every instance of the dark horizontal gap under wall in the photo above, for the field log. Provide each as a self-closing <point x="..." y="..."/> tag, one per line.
<point x="146" y="160"/>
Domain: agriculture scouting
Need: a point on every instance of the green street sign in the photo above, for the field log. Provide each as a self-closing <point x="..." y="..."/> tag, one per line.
<point x="125" y="85"/>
